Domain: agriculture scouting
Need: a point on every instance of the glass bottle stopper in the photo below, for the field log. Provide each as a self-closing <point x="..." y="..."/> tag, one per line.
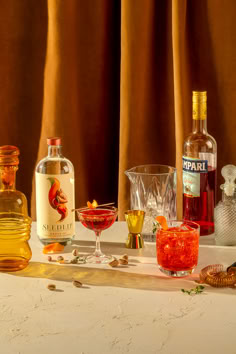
<point x="229" y="174"/>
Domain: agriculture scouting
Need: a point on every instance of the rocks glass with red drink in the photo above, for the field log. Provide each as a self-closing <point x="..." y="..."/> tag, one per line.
<point x="177" y="248"/>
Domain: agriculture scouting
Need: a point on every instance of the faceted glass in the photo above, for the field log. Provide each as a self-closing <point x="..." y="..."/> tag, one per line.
<point x="153" y="190"/>
<point x="177" y="248"/>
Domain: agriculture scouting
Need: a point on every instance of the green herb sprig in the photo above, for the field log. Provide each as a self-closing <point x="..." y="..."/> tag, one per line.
<point x="156" y="226"/>
<point x="198" y="290"/>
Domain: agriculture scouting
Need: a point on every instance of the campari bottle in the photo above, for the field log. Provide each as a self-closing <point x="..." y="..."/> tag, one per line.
<point x="199" y="169"/>
<point x="55" y="196"/>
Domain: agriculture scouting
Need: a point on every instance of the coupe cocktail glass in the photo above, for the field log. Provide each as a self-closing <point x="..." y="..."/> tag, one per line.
<point x="98" y="219"/>
<point x="177" y="248"/>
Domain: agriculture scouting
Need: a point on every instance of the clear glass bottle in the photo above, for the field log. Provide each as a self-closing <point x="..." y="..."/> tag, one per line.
<point x="15" y="224"/>
<point x="55" y="196"/>
<point x="225" y="211"/>
<point x="199" y="169"/>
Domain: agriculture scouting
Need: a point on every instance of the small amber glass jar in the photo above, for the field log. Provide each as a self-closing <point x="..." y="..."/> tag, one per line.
<point x="15" y="224"/>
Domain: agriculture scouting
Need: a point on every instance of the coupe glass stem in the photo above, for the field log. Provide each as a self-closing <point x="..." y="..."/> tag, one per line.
<point x="98" y="251"/>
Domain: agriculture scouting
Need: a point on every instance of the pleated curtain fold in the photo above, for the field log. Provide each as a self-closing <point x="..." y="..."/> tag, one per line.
<point x="114" y="79"/>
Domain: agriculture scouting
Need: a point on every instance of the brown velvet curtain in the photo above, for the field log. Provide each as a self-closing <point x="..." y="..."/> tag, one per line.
<point x="114" y="79"/>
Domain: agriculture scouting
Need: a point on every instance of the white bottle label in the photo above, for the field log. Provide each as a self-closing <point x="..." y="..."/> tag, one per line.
<point x="54" y="202"/>
<point x="192" y="169"/>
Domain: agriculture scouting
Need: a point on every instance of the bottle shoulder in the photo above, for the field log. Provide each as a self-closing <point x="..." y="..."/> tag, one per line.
<point x="55" y="165"/>
<point x="200" y="142"/>
<point x="13" y="201"/>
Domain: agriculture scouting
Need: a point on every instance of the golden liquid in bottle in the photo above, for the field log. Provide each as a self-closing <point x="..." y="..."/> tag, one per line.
<point x="15" y="224"/>
<point x="15" y="252"/>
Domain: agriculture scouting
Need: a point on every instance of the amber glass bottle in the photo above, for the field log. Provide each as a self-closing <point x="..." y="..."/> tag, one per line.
<point x="15" y="224"/>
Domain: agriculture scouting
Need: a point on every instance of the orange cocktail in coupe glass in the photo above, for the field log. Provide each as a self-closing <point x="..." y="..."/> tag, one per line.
<point x="177" y="248"/>
<point x="98" y="219"/>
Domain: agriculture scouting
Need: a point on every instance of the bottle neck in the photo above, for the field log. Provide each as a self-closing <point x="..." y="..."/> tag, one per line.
<point x="54" y="151"/>
<point x="226" y="197"/>
<point x="200" y="126"/>
<point x="8" y="177"/>
<point x="199" y="112"/>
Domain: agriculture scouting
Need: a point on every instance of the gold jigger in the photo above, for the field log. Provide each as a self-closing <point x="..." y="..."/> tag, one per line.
<point x="134" y="219"/>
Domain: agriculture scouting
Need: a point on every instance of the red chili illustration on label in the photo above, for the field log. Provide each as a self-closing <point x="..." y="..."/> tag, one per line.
<point x="57" y="198"/>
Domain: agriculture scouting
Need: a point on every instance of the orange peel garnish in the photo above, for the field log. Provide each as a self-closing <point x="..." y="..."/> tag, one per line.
<point x="92" y="205"/>
<point x="53" y="248"/>
<point x="162" y="221"/>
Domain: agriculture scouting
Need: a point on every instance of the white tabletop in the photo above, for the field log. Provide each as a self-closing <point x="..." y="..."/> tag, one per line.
<point x="130" y="309"/>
